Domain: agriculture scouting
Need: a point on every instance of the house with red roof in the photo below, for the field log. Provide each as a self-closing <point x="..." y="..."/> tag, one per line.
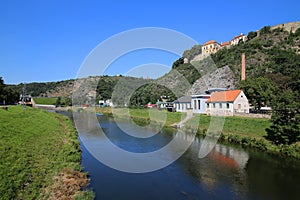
<point x="210" y="47"/>
<point x="238" y="38"/>
<point x="227" y="103"/>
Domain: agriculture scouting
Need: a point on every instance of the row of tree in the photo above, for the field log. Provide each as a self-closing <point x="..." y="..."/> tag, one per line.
<point x="7" y="94"/>
<point x="285" y="128"/>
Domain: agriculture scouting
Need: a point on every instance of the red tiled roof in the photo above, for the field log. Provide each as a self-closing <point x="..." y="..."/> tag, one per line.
<point x="225" y="96"/>
<point x="238" y="36"/>
<point x="225" y="44"/>
<point x="210" y="42"/>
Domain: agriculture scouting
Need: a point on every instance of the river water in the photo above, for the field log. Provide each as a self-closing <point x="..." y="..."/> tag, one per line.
<point x="228" y="172"/>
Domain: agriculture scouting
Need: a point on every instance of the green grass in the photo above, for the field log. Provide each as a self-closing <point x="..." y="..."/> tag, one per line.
<point x="35" y="146"/>
<point x="243" y="126"/>
<point x="233" y="125"/>
<point x="45" y="100"/>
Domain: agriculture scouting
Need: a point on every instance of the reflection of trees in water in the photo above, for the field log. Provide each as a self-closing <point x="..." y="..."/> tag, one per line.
<point x="223" y="166"/>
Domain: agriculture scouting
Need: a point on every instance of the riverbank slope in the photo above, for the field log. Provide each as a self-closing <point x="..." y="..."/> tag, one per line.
<point x="40" y="156"/>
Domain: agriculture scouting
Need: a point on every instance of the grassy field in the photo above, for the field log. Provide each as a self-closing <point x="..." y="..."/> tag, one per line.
<point x="233" y="125"/>
<point x="45" y="100"/>
<point x="39" y="155"/>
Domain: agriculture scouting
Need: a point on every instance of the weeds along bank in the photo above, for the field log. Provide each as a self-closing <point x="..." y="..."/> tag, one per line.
<point x="247" y="132"/>
<point x="39" y="156"/>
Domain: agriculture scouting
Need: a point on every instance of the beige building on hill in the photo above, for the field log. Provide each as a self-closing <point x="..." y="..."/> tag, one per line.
<point x="210" y="47"/>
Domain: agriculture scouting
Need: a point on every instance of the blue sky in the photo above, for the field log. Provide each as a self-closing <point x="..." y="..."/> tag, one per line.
<point x="45" y="40"/>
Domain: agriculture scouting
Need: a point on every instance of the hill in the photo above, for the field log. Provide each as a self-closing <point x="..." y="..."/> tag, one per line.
<point x="272" y="52"/>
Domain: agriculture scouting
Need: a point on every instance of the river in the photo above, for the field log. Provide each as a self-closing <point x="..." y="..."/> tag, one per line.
<point x="228" y="172"/>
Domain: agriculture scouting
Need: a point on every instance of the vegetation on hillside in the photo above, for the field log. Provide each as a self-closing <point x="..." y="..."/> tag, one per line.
<point x="194" y="51"/>
<point x="260" y="91"/>
<point x="7" y="94"/>
<point x="38" y="161"/>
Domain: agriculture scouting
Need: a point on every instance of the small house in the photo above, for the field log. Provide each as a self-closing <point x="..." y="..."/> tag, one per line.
<point x="183" y="104"/>
<point x="227" y="103"/>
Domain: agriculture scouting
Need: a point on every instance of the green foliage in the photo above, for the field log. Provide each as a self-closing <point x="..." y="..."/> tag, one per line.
<point x="265" y="30"/>
<point x="150" y="93"/>
<point x="187" y="70"/>
<point x="85" y="195"/>
<point x="259" y="91"/>
<point x="272" y="52"/>
<point x="58" y="102"/>
<point x="285" y="119"/>
<point x="39" y="89"/>
<point x="45" y="100"/>
<point x="105" y="87"/>
<point x="7" y="94"/>
<point x="35" y="146"/>
<point x="251" y="35"/>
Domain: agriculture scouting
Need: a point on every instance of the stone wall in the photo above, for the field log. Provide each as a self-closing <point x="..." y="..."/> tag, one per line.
<point x="252" y="115"/>
<point x="291" y="26"/>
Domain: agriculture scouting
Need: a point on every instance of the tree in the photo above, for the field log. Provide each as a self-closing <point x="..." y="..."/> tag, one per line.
<point x="265" y="30"/>
<point x="259" y="91"/>
<point x="58" y="102"/>
<point x="2" y="87"/>
<point x="285" y="128"/>
<point x="251" y="35"/>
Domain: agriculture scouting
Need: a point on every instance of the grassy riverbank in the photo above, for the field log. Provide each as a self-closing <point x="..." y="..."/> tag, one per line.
<point x="39" y="156"/>
<point x="247" y="132"/>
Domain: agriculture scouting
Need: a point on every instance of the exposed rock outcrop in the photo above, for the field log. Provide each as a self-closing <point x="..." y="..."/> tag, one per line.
<point x="220" y="78"/>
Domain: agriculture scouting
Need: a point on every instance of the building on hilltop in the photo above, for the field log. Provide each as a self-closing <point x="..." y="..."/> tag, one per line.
<point x="242" y="37"/>
<point x="225" y="45"/>
<point x="210" y="47"/>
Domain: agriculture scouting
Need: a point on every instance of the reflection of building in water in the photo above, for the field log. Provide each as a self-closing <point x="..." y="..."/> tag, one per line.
<point x="224" y="154"/>
<point x="230" y="156"/>
<point x="223" y="164"/>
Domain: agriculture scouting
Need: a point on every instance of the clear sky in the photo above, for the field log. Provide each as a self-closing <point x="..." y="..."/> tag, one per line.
<point x="47" y="40"/>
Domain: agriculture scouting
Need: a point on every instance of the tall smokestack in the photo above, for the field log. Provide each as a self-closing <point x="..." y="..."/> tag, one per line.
<point x="243" y="69"/>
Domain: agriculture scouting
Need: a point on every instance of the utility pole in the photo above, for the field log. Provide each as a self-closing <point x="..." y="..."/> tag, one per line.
<point x="23" y="97"/>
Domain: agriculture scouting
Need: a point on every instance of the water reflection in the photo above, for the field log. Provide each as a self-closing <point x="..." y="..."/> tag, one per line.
<point x="227" y="172"/>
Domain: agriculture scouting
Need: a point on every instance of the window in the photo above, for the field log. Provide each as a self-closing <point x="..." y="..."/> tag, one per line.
<point x="195" y="106"/>
<point x="214" y="105"/>
<point x="207" y="105"/>
<point x="239" y="106"/>
<point x="199" y="104"/>
<point x="220" y="105"/>
<point x="227" y="105"/>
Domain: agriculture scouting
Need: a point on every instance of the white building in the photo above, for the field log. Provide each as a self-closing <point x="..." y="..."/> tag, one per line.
<point x="227" y="103"/>
<point x="199" y="103"/>
<point x="183" y="104"/>
<point x="237" y="39"/>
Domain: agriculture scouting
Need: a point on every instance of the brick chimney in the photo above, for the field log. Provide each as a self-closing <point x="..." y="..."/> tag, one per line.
<point x="243" y="69"/>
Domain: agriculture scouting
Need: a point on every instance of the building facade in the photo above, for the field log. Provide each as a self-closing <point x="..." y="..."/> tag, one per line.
<point x="210" y="47"/>
<point x="242" y="37"/>
<point x="227" y="103"/>
<point x="183" y="104"/>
